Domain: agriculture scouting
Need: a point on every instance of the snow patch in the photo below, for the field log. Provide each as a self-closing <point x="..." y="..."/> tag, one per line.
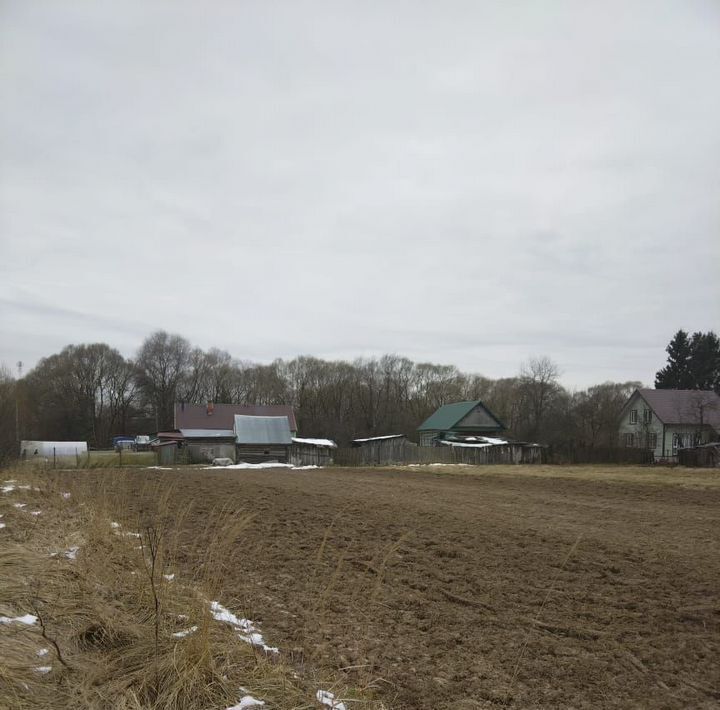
<point x="244" y="627"/>
<point x="2" y="525"/>
<point x="65" y="495"/>
<point x="7" y="489"/>
<point x="316" y="442"/>
<point x="27" y="619"/>
<point x="43" y="669"/>
<point x="250" y="466"/>
<point x="36" y="512"/>
<point x="169" y="577"/>
<point x="20" y="505"/>
<point x="114" y="525"/>
<point x="325" y="697"/>
<point x="71" y="554"/>
<point x="186" y="632"/>
<point x="160" y="468"/>
<point x="247" y="701"/>
<point x="43" y="652"/>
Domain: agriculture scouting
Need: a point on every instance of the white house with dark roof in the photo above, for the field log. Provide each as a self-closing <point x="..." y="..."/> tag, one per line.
<point x="667" y="420"/>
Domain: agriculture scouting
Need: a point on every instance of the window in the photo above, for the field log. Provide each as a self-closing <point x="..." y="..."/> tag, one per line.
<point x="652" y="440"/>
<point x="629" y="440"/>
<point x="633" y="416"/>
<point x="647" y="416"/>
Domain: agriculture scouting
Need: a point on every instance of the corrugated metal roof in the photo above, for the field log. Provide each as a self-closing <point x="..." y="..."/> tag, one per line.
<point x="220" y="416"/>
<point x="262" y="430"/>
<point x="207" y="433"/>
<point x="448" y="416"/>
<point x="683" y="406"/>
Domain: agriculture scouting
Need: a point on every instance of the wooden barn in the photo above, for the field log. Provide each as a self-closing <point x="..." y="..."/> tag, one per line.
<point x="381" y="450"/>
<point x="262" y="439"/>
<point x="312" y="452"/>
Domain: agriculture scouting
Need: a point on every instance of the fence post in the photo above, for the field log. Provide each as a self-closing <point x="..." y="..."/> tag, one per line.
<point x="54" y="458"/>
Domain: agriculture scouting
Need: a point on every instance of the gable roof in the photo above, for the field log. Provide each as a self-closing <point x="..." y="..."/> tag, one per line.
<point x="222" y="416"/>
<point x="683" y="406"/>
<point x="261" y="430"/>
<point x="449" y="415"/>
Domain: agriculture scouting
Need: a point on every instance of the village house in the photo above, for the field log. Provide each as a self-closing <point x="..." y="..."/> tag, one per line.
<point x="222" y="416"/>
<point x="458" y="421"/>
<point x="665" y="421"/>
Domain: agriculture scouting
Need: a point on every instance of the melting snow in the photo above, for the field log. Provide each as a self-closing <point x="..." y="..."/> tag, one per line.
<point x="247" y="701"/>
<point x="327" y="698"/>
<point x="316" y="442"/>
<point x="245" y="628"/>
<point x="161" y="468"/>
<point x="186" y="632"/>
<point x="268" y="464"/>
<point x="2" y="525"/>
<point x="71" y="554"/>
<point x="20" y="505"/>
<point x="7" y="489"/>
<point x="27" y="619"/>
<point x="36" y="512"/>
<point x="115" y="526"/>
<point x="66" y="495"/>
<point x="169" y="577"/>
<point x="43" y="652"/>
<point x="43" y="669"/>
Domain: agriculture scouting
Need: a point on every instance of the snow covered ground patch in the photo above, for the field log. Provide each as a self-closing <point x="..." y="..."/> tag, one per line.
<point x="26" y="619"/>
<point x="185" y="632"/>
<point x="325" y="697"/>
<point x="251" y="466"/>
<point x="245" y="628"/>
<point x="247" y="701"/>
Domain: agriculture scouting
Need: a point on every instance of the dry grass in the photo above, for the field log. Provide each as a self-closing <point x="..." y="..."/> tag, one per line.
<point x="107" y="617"/>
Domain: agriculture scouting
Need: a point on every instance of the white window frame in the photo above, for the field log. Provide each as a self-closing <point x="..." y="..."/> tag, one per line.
<point x="633" y="416"/>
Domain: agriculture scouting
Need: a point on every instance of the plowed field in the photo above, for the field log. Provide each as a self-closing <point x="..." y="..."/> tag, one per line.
<point x="483" y="587"/>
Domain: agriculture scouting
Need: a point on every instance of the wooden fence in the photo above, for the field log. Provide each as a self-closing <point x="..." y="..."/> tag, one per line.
<point x="412" y="454"/>
<point x="597" y="455"/>
<point x="707" y="456"/>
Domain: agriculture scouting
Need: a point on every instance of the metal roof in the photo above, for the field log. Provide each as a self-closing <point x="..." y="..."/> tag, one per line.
<point x="683" y="406"/>
<point x="208" y="433"/>
<point x="448" y="416"/>
<point x="220" y="416"/>
<point x="262" y="430"/>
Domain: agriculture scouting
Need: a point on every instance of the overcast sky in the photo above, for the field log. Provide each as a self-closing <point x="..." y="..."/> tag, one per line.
<point x="471" y="183"/>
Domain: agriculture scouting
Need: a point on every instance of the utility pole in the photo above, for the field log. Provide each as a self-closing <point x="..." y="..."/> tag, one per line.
<point x="17" y="401"/>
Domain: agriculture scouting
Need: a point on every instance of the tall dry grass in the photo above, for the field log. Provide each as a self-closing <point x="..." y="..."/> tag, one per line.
<point x="95" y="567"/>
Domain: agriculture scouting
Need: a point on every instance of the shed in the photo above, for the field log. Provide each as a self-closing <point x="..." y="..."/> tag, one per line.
<point x="259" y="439"/>
<point x="312" y="452"/>
<point x="204" y="445"/>
<point x="471" y="418"/>
<point x="381" y="450"/>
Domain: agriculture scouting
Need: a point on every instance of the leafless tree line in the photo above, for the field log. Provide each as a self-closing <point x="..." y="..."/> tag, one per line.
<point x="91" y="392"/>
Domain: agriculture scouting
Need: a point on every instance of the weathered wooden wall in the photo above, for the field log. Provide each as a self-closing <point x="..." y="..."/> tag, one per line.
<point x="411" y="454"/>
<point x="308" y="455"/>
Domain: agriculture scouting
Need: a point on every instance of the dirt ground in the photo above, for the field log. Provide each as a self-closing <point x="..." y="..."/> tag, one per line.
<point x="476" y="588"/>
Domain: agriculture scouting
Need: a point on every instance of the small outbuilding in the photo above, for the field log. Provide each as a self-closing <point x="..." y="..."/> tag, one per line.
<point x="459" y="419"/>
<point x="262" y="439"/>
<point x="204" y="445"/>
<point x="312" y="452"/>
<point x="382" y="450"/>
<point x="41" y="450"/>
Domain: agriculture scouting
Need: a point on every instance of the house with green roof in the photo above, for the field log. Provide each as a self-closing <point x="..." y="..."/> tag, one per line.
<point x="459" y="419"/>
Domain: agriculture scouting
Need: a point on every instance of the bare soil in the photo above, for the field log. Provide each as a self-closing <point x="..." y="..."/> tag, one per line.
<point x="478" y="588"/>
